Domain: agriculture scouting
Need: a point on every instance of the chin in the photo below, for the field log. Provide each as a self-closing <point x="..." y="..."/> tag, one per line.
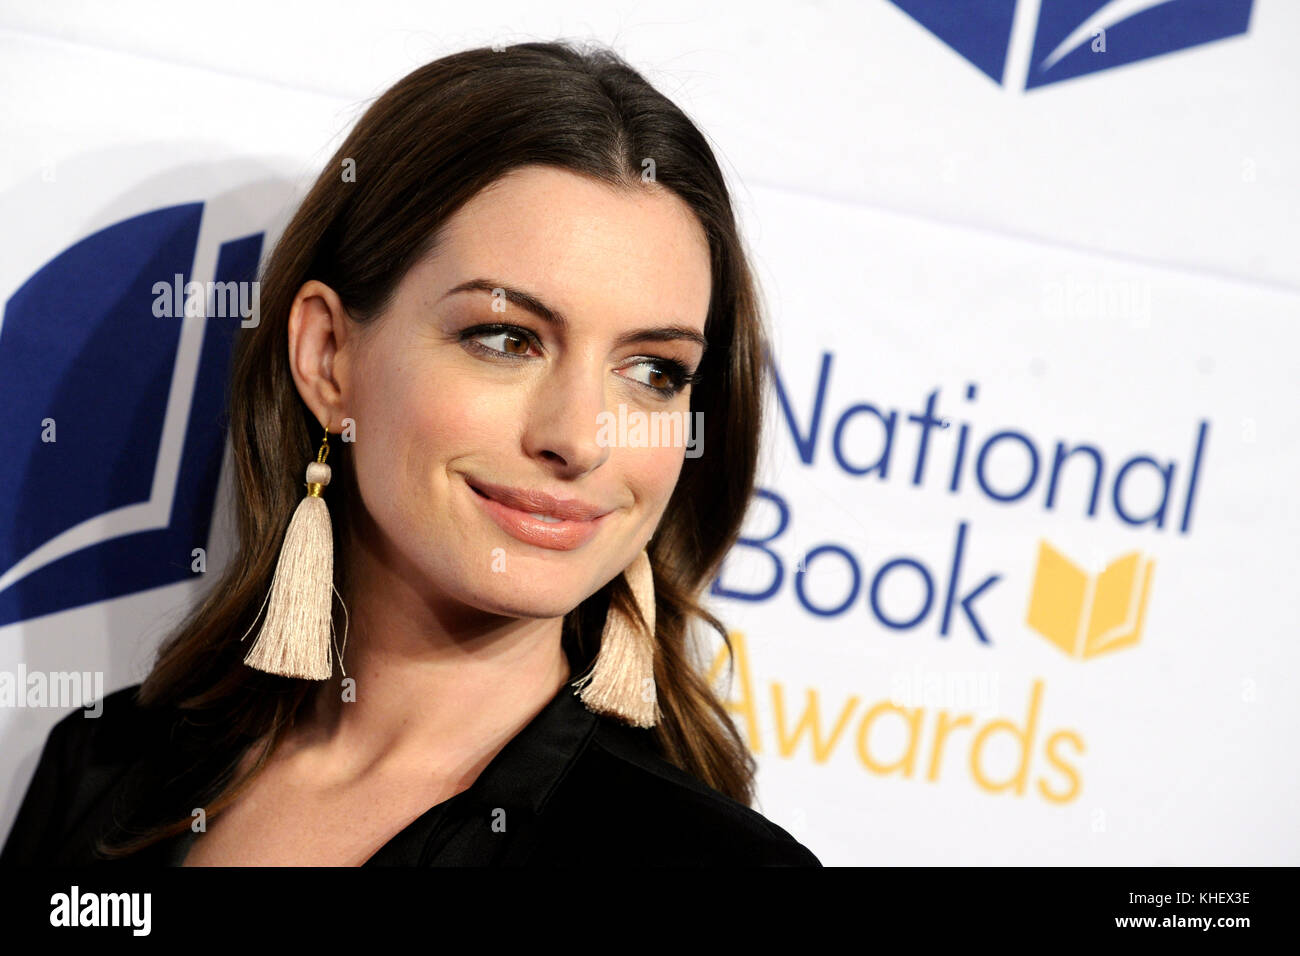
<point x="511" y="601"/>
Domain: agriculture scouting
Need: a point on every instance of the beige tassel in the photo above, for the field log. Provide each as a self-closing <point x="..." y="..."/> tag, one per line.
<point x="295" y="637"/>
<point x="621" y="683"/>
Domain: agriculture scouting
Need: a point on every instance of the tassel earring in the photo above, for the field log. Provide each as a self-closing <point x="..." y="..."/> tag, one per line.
<point x="622" y="684"/>
<point x="295" y="637"/>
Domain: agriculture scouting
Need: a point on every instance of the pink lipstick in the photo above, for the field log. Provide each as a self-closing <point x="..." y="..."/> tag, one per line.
<point x="539" y="518"/>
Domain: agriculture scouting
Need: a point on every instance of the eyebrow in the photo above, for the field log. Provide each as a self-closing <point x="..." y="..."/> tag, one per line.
<point x="545" y="312"/>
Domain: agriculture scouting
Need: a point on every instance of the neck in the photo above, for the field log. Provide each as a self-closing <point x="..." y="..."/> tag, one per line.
<point x="437" y="685"/>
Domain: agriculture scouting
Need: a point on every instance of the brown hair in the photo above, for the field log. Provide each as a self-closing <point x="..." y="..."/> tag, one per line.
<point x="421" y="150"/>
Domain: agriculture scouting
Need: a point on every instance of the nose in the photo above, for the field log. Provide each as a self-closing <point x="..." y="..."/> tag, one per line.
<point x="563" y="427"/>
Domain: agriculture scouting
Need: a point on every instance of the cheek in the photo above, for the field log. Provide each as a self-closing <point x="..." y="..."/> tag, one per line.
<point x="653" y="473"/>
<point x="400" y="419"/>
<point x="412" y="422"/>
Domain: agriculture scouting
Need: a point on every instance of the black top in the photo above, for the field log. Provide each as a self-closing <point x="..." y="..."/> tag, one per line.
<point x="572" y="788"/>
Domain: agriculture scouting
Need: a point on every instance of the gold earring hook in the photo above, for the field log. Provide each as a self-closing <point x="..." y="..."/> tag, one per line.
<point x="324" y="445"/>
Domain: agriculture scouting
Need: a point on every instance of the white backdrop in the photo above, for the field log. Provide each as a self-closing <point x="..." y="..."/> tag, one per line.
<point x="1106" y="261"/>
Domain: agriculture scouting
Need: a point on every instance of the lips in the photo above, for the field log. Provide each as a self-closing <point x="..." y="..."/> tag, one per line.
<point x="539" y="518"/>
<point x="539" y="502"/>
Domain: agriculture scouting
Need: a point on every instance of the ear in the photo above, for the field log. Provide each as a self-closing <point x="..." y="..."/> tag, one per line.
<point x="318" y="334"/>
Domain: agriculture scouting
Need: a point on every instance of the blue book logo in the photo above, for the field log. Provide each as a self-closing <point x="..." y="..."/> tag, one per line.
<point x="134" y="403"/>
<point x="1076" y="37"/>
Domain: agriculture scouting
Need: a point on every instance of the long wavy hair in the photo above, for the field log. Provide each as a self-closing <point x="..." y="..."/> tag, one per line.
<point x="420" y="151"/>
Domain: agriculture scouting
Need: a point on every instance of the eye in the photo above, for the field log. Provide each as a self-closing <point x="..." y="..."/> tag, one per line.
<point x="514" y="341"/>
<point x="665" y="376"/>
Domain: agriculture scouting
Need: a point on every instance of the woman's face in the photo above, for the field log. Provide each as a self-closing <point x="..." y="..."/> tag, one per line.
<point x="456" y="391"/>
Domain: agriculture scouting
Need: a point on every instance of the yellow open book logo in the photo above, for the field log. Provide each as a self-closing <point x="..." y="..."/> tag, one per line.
<point x="1084" y="614"/>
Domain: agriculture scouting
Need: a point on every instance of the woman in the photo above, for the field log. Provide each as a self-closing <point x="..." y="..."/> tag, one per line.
<point x="512" y="250"/>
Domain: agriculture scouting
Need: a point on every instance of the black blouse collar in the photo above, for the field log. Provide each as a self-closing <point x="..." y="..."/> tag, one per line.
<point x="519" y="780"/>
